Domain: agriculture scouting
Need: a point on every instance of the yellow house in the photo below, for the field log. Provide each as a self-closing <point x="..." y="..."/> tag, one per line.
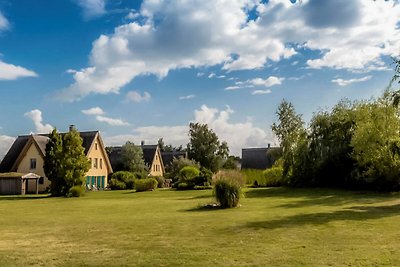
<point x="27" y="153"/>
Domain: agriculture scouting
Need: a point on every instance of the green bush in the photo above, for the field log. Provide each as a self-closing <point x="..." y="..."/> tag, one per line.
<point x="76" y="191"/>
<point x="145" y="184"/>
<point x="187" y="178"/>
<point x="173" y="169"/>
<point x="273" y="176"/>
<point x="160" y="181"/>
<point x="254" y="177"/>
<point x="123" y="180"/>
<point x="227" y="193"/>
<point x="228" y="188"/>
<point x="117" y="184"/>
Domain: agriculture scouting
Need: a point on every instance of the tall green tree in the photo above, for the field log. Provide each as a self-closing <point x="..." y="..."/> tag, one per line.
<point x="75" y="163"/>
<point x="205" y="148"/>
<point x="53" y="163"/>
<point x="132" y="158"/>
<point x="291" y="134"/>
<point x="396" y="78"/>
<point x="65" y="162"/>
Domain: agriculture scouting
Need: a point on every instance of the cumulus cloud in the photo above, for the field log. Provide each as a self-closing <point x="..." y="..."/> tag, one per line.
<point x="186" y="97"/>
<point x="270" y="81"/>
<point x="261" y="92"/>
<point x="13" y="72"/>
<point x="192" y="34"/>
<point x="99" y="116"/>
<point x="36" y="116"/>
<point x="137" y="97"/>
<point x="5" y="144"/>
<point x="92" y="8"/>
<point x="238" y="135"/>
<point x="93" y="111"/>
<point x="342" y="82"/>
<point x="4" y="24"/>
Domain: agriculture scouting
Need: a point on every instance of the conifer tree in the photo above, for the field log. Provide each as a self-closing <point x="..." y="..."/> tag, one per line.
<point x="53" y="163"/>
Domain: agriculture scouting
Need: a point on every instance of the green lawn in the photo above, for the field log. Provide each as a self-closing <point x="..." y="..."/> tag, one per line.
<point x="274" y="226"/>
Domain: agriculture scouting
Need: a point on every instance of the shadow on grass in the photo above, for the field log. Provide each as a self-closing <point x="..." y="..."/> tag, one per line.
<point x="196" y="197"/>
<point x="24" y="197"/>
<point x="355" y="213"/>
<point x="319" y="196"/>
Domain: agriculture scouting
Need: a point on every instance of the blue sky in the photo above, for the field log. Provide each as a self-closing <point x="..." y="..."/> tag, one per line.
<point x="141" y="70"/>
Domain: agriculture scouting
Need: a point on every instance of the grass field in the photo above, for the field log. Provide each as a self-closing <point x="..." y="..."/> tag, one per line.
<point x="274" y="226"/>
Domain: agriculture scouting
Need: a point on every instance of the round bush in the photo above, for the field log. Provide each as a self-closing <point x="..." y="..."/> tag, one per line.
<point x="76" y="191"/>
<point x="117" y="184"/>
<point x="273" y="176"/>
<point x="145" y="184"/>
<point x="227" y="193"/>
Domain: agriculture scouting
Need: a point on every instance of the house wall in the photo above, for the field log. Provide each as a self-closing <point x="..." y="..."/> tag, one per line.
<point x="25" y="164"/>
<point x="96" y="153"/>
<point x="157" y="168"/>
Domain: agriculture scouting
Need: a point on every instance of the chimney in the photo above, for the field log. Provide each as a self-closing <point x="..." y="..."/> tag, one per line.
<point x="142" y="143"/>
<point x="269" y="145"/>
<point x="72" y="127"/>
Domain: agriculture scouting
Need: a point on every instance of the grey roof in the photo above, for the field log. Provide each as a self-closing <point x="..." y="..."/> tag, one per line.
<point x="257" y="158"/>
<point x="114" y="154"/>
<point x="41" y="139"/>
<point x="149" y="151"/>
<point x="167" y="157"/>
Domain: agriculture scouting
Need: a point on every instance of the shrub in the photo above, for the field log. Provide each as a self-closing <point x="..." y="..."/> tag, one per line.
<point x="76" y="191"/>
<point x="254" y="177"/>
<point x="187" y="178"/>
<point x="227" y="193"/>
<point x="273" y="176"/>
<point x="160" y="181"/>
<point x="117" y="184"/>
<point x="123" y="180"/>
<point x="145" y="184"/>
<point x="173" y="169"/>
<point x="228" y="188"/>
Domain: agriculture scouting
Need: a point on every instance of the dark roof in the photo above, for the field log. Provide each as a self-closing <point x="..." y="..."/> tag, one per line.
<point x="149" y="151"/>
<point x="258" y="158"/>
<point x="41" y="139"/>
<point x="167" y="157"/>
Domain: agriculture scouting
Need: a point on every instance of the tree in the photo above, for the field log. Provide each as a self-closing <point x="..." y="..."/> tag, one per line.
<point x="75" y="163"/>
<point x="65" y="162"/>
<point x="53" y="163"/>
<point x="168" y="148"/>
<point x="132" y="158"/>
<point x="291" y="134"/>
<point x="396" y="78"/>
<point x="205" y="148"/>
<point x="172" y="170"/>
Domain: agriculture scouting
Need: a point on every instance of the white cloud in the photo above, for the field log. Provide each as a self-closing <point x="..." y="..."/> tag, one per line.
<point x="99" y="115"/>
<point x="270" y="81"/>
<point x="93" y="111"/>
<point x="92" y="8"/>
<point x="111" y="121"/>
<point x="186" y="97"/>
<point x="36" y="116"/>
<point x="13" y="72"/>
<point x="5" y="144"/>
<point x="4" y="24"/>
<point x="238" y="135"/>
<point x="211" y="75"/>
<point x="261" y="92"/>
<point x="232" y="88"/>
<point x="192" y="34"/>
<point x="137" y="97"/>
<point x="132" y="15"/>
<point x="342" y="82"/>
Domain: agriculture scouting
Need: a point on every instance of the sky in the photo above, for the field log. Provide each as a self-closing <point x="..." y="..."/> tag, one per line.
<point x="142" y="70"/>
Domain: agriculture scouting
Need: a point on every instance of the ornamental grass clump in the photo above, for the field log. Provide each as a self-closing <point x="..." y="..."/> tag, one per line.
<point x="228" y="188"/>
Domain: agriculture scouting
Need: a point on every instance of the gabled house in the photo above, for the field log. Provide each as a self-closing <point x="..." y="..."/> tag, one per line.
<point x="151" y="156"/>
<point x="27" y="153"/>
<point x="260" y="158"/>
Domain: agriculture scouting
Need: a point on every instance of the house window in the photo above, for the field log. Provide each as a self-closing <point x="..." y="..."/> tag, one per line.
<point x="95" y="163"/>
<point x="95" y="146"/>
<point x="101" y="163"/>
<point x="41" y="180"/>
<point x="33" y="164"/>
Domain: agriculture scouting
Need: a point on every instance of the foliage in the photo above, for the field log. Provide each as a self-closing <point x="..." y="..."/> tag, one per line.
<point x="172" y="170"/>
<point x="65" y="163"/>
<point x="122" y="180"/>
<point x="160" y="181"/>
<point x="254" y="177"/>
<point x="187" y="177"/>
<point x="76" y="191"/>
<point x="290" y="132"/>
<point x="132" y="158"/>
<point x="228" y="188"/>
<point x="205" y="148"/>
<point x="147" y="184"/>
<point x="273" y="176"/>
<point x="231" y="163"/>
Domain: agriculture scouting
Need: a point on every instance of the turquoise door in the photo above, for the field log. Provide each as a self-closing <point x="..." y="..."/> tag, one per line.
<point x="98" y="181"/>
<point x="93" y="181"/>
<point x="102" y="181"/>
<point x="87" y="180"/>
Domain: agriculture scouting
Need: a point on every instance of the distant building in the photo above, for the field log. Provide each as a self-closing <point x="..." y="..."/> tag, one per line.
<point x="27" y="154"/>
<point x="168" y="156"/>
<point x="260" y="158"/>
<point x="151" y="156"/>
